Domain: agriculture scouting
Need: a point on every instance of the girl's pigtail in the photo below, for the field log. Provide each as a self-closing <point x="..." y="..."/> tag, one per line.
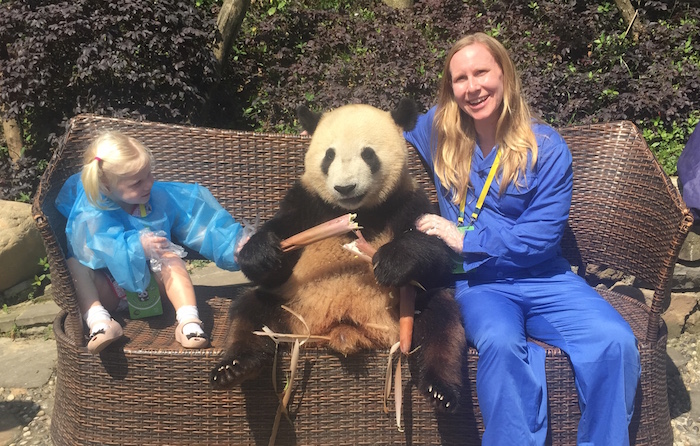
<point x="91" y="182"/>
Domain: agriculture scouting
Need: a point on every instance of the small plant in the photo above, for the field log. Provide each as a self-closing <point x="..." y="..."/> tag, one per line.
<point x="667" y="140"/>
<point x="196" y="264"/>
<point x="15" y="332"/>
<point x="5" y="309"/>
<point x="41" y="280"/>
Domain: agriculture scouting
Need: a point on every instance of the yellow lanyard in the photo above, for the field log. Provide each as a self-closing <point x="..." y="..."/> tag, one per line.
<point x="482" y="195"/>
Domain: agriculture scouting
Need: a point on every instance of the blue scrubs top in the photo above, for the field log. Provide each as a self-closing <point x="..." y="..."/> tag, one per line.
<point x="518" y="233"/>
<point x="109" y="238"/>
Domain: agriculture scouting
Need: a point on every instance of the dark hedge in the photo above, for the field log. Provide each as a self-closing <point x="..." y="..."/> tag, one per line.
<point x="128" y="58"/>
<point x="577" y="66"/>
<point x="576" y="60"/>
<point x="153" y="60"/>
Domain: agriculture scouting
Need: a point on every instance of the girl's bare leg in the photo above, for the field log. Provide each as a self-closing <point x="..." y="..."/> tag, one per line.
<point x="95" y="300"/>
<point x="91" y="287"/>
<point x="176" y="282"/>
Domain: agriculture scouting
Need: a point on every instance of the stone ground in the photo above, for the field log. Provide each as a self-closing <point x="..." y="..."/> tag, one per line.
<point x="27" y="377"/>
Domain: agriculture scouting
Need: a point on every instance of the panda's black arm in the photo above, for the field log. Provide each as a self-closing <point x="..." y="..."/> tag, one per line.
<point x="407" y="207"/>
<point x="261" y="259"/>
<point x="411" y="254"/>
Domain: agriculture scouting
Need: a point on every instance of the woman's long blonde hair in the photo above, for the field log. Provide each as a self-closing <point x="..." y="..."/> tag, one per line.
<point x="456" y="134"/>
<point x="109" y="157"/>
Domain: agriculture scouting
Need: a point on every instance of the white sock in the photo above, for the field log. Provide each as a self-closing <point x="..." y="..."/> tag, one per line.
<point x="97" y="318"/>
<point x="188" y="312"/>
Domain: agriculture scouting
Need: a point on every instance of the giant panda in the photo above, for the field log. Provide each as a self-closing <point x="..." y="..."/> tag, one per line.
<point x="356" y="162"/>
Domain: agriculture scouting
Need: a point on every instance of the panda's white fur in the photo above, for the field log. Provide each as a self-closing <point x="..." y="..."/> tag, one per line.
<point x="348" y="131"/>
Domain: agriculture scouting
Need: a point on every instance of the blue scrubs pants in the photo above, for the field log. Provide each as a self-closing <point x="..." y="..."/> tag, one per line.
<point x="562" y="310"/>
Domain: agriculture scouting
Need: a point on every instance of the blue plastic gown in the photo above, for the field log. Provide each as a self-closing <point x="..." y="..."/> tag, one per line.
<point x="110" y="238"/>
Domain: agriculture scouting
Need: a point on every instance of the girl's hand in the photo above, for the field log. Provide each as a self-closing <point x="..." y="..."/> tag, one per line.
<point x="443" y="229"/>
<point x="154" y="245"/>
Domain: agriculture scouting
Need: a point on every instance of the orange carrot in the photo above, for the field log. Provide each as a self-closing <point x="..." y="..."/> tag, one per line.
<point x="407" y="309"/>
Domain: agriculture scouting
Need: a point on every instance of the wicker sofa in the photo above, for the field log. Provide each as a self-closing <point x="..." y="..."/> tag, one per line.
<point x="626" y="215"/>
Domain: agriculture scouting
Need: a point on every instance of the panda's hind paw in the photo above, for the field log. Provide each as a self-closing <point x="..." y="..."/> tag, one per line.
<point x="444" y="398"/>
<point x="231" y="372"/>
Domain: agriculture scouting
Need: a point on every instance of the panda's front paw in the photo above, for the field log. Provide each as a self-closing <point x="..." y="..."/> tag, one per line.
<point x="444" y="397"/>
<point x="261" y="258"/>
<point x="393" y="267"/>
<point x="232" y="371"/>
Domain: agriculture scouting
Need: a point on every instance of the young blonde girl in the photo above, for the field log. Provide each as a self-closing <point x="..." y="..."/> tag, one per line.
<point x="120" y="221"/>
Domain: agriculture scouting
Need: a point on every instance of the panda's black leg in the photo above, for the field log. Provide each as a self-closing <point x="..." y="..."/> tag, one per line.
<point x="439" y="344"/>
<point x="249" y="353"/>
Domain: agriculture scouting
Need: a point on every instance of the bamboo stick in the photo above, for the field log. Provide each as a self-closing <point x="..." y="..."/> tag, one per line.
<point x="337" y="226"/>
<point x="407" y="293"/>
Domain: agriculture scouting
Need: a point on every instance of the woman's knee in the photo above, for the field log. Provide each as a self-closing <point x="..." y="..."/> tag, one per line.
<point x="616" y="339"/>
<point x="627" y="342"/>
<point x="501" y="339"/>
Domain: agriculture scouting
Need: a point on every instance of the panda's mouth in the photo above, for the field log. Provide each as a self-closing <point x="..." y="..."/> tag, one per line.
<point x="351" y="202"/>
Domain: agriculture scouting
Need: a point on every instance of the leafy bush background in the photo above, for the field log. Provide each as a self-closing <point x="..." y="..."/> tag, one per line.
<point x="153" y="60"/>
<point x="126" y="58"/>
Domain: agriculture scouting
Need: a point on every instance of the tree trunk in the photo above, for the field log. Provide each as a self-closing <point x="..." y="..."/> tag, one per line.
<point x="629" y="15"/>
<point x="398" y="4"/>
<point x="229" y="23"/>
<point x="13" y="134"/>
<point x="13" y="138"/>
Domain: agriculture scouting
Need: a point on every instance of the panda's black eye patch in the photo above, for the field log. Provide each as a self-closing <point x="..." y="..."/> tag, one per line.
<point x="372" y="160"/>
<point x="327" y="160"/>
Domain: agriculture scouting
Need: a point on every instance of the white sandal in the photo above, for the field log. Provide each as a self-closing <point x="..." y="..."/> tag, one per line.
<point x="191" y="340"/>
<point x="101" y="338"/>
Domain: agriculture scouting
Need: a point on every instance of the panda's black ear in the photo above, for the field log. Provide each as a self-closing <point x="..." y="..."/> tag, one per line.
<point x="405" y="114"/>
<point x="308" y="119"/>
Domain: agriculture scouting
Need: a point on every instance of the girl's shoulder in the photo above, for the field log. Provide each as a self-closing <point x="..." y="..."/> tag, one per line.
<point x="170" y="190"/>
<point x="172" y="196"/>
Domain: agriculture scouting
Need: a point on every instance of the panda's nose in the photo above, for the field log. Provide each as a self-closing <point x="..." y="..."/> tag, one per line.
<point x="345" y="190"/>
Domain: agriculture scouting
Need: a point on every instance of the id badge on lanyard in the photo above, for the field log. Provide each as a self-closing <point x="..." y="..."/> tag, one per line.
<point x="459" y="267"/>
<point x="459" y="264"/>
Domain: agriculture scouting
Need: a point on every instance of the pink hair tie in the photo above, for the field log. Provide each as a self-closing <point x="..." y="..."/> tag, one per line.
<point x="97" y="158"/>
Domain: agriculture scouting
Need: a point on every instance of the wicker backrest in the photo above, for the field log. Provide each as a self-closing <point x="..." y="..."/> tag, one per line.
<point x="625" y="213"/>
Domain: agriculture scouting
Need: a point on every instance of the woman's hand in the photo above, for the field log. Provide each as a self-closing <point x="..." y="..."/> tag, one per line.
<point x="443" y="229"/>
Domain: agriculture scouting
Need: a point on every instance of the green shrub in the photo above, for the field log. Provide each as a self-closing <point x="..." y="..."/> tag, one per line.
<point x="152" y="60"/>
<point x="131" y="58"/>
<point x="574" y="71"/>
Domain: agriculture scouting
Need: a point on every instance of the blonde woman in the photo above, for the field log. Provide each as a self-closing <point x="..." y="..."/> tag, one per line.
<point x="119" y="219"/>
<point x="505" y="183"/>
